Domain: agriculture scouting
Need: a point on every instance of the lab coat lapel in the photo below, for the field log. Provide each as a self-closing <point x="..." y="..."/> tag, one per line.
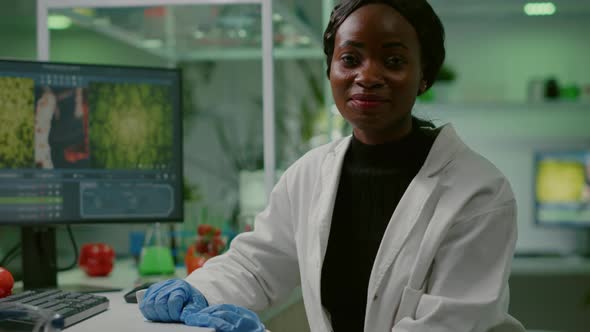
<point x="331" y="169"/>
<point x="321" y="218"/>
<point x="419" y="192"/>
<point x="399" y="228"/>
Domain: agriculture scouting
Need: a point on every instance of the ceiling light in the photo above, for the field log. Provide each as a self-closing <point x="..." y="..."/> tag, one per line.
<point x="58" y="22"/>
<point x="539" y="8"/>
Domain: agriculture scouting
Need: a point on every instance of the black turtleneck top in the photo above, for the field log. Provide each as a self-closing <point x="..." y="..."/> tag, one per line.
<point x="373" y="180"/>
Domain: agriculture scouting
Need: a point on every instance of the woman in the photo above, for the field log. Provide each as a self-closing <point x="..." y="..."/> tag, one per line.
<point x="399" y="227"/>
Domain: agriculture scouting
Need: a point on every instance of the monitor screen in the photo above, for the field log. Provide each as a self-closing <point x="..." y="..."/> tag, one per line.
<point x="86" y="143"/>
<point x="562" y="188"/>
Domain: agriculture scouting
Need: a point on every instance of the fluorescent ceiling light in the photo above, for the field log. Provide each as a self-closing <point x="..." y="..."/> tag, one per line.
<point x="540" y="8"/>
<point x="58" y="22"/>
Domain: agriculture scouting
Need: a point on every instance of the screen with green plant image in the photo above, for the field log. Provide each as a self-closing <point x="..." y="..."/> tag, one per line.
<point x="562" y="187"/>
<point x="130" y="125"/>
<point x="17" y="113"/>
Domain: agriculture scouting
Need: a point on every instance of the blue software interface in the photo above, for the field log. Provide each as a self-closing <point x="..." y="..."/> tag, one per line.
<point x="83" y="143"/>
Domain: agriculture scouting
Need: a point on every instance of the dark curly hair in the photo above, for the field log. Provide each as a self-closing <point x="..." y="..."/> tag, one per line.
<point x="418" y="13"/>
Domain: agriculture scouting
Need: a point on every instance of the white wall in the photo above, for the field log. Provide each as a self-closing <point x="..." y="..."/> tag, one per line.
<point x="495" y="58"/>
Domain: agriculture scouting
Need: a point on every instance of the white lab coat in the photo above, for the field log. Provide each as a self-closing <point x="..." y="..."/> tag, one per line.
<point x="443" y="263"/>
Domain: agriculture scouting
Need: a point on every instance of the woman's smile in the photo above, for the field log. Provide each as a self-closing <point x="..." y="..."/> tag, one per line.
<point x="367" y="102"/>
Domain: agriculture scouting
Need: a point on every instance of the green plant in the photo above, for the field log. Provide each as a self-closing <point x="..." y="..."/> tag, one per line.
<point x="17" y="117"/>
<point x="309" y="107"/>
<point x="190" y="192"/>
<point x="446" y="74"/>
<point x="195" y="75"/>
<point x="131" y="125"/>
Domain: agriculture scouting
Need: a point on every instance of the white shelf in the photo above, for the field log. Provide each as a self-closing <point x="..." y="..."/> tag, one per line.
<point x="471" y="107"/>
<point x="200" y="32"/>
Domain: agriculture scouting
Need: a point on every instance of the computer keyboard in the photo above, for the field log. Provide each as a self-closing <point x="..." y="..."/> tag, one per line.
<point x="73" y="307"/>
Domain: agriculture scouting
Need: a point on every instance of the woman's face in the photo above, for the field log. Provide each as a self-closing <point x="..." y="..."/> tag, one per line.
<point x="376" y="73"/>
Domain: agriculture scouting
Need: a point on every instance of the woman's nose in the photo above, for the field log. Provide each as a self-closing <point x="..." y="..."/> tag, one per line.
<point x="370" y="76"/>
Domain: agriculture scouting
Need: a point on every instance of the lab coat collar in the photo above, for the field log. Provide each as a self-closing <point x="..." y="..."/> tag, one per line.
<point x="446" y="146"/>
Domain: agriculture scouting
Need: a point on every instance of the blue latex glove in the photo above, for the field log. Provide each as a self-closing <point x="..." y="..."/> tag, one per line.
<point x="165" y="300"/>
<point x="224" y="318"/>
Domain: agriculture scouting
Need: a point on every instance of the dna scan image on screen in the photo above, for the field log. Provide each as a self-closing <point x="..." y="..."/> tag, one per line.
<point x="562" y="188"/>
<point x="61" y="127"/>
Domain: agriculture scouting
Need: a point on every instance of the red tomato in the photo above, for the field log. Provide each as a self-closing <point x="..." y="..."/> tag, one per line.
<point x="204" y="229"/>
<point x="201" y="245"/>
<point x="190" y="251"/>
<point x="193" y="262"/>
<point x="97" y="259"/>
<point x="216" y="246"/>
<point x="6" y="282"/>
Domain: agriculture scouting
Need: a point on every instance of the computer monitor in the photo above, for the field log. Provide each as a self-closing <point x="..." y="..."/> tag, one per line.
<point x="562" y="188"/>
<point x="82" y="144"/>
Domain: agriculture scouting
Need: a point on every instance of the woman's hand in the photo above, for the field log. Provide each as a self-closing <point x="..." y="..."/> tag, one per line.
<point x="224" y="318"/>
<point x="166" y="300"/>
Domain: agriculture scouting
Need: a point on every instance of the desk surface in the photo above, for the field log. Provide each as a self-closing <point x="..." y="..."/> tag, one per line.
<point x="122" y="316"/>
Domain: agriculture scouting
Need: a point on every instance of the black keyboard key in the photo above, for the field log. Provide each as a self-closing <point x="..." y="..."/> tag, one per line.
<point x="17" y="297"/>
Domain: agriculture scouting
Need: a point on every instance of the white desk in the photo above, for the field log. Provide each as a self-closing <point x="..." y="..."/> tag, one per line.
<point x="120" y="316"/>
<point x="123" y="316"/>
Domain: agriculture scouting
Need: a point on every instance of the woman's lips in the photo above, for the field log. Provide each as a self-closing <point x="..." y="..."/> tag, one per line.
<point x="364" y="101"/>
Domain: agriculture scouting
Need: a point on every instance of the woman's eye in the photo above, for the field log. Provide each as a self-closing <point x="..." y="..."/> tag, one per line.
<point x="348" y="59"/>
<point x="394" y="61"/>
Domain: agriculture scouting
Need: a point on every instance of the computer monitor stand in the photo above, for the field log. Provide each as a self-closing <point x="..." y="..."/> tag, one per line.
<point x="586" y="253"/>
<point x="39" y="262"/>
<point x="39" y="258"/>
